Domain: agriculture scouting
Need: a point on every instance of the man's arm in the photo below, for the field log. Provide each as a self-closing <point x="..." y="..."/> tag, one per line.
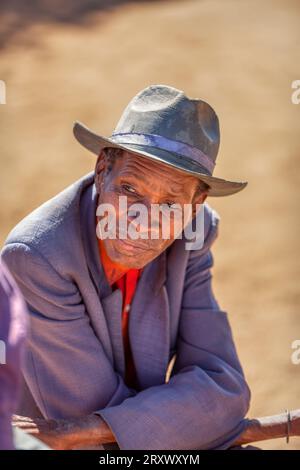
<point x="92" y="430"/>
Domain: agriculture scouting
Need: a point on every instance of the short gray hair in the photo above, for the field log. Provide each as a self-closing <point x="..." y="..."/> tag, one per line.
<point x="111" y="154"/>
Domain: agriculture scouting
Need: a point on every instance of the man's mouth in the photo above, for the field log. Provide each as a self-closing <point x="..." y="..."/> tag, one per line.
<point x="133" y="246"/>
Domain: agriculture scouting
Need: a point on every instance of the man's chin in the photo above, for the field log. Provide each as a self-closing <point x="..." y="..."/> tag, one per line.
<point x="127" y="256"/>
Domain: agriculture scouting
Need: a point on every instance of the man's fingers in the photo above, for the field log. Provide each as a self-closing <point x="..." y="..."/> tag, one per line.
<point x="23" y="425"/>
<point x="25" y="419"/>
<point x="31" y="426"/>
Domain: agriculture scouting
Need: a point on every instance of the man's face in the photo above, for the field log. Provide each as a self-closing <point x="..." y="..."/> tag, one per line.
<point x="145" y="182"/>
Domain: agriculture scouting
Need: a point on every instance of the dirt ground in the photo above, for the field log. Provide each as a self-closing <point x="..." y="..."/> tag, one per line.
<point x="241" y="57"/>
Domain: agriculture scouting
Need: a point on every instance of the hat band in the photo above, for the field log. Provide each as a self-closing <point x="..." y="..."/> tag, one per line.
<point x="158" y="141"/>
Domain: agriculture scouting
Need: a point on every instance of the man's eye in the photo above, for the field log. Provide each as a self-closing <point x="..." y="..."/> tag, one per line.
<point x="128" y="188"/>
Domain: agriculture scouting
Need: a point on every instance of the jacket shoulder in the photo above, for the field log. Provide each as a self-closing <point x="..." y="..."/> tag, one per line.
<point x="52" y="217"/>
<point x="53" y="222"/>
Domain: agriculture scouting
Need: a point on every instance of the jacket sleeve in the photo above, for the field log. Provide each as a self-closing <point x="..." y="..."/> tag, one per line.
<point x="206" y="399"/>
<point x="62" y="345"/>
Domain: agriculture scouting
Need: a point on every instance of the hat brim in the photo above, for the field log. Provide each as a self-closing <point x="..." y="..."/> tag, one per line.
<point x="95" y="143"/>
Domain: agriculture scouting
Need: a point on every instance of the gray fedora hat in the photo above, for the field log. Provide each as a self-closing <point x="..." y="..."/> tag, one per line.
<point x="161" y="123"/>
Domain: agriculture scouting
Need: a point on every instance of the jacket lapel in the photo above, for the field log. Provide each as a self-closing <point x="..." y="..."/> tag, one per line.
<point x="102" y="288"/>
<point x="149" y="329"/>
<point x="112" y="306"/>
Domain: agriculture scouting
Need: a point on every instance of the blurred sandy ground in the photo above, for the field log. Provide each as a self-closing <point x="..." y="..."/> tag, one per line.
<point x="240" y="56"/>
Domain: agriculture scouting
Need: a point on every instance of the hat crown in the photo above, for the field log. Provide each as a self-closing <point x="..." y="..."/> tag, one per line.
<point x="166" y="111"/>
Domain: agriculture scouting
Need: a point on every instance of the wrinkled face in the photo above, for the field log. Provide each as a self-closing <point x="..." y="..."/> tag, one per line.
<point x="144" y="182"/>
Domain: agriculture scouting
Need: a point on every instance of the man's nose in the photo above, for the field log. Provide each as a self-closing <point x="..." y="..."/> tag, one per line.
<point x="145" y="222"/>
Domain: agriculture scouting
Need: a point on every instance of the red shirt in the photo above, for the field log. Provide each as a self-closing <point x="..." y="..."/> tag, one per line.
<point x="127" y="284"/>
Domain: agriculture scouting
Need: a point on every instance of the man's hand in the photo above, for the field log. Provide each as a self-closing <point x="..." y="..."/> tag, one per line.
<point x="63" y="434"/>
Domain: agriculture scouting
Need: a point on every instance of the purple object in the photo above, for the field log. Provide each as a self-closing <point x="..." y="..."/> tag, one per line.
<point x="13" y="319"/>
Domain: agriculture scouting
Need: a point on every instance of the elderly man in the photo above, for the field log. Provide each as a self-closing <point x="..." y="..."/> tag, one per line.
<point x="108" y="314"/>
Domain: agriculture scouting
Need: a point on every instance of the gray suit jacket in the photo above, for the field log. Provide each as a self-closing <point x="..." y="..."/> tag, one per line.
<point x="75" y="359"/>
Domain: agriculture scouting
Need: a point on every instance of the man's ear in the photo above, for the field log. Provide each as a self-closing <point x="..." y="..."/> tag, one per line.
<point x="199" y="198"/>
<point x="100" y="170"/>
